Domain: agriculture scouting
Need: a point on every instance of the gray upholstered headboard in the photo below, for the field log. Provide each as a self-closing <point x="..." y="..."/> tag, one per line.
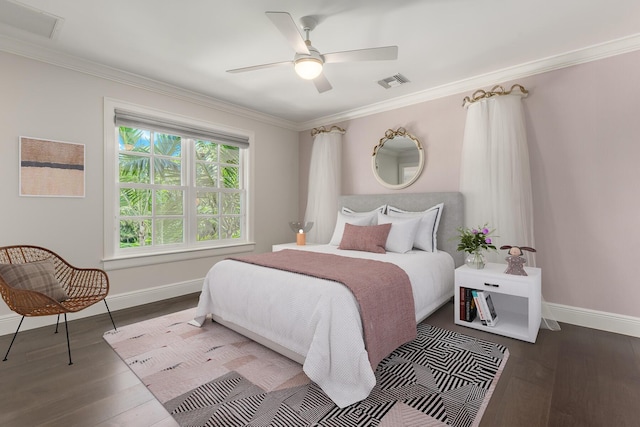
<point x="452" y="214"/>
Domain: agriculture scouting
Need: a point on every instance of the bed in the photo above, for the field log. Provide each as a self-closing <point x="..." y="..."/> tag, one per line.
<point x="317" y="322"/>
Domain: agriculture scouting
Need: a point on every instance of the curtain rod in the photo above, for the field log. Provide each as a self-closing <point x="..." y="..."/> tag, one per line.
<point x="495" y="91"/>
<point x="322" y="129"/>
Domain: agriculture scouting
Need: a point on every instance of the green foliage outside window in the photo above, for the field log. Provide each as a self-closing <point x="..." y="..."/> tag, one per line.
<point x="152" y="193"/>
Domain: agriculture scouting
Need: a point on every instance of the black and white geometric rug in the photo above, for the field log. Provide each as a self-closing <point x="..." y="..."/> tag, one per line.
<point x="441" y="378"/>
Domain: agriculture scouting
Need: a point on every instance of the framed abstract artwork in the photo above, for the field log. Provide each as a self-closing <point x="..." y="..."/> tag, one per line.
<point x="51" y="168"/>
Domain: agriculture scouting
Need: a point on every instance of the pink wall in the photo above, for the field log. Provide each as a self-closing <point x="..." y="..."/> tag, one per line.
<point x="583" y="132"/>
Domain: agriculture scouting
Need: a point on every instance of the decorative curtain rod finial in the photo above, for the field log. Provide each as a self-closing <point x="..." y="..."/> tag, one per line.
<point x="322" y="129"/>
<point x="497" y="90"/>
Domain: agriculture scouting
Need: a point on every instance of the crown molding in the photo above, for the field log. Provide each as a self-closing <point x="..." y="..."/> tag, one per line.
<point x="42" y="54"/>
<point x="568" y="59"/>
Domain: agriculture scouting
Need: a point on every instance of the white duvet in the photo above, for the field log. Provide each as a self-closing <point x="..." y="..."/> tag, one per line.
<point x="315" y="318"/>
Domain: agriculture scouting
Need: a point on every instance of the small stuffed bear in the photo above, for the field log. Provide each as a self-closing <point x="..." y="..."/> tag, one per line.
<point x="515" y="260"/>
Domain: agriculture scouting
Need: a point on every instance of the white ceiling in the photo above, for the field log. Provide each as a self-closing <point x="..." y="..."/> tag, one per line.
<point x="452" y="44"/>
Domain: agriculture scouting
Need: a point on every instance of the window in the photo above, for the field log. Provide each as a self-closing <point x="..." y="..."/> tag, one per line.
<point x="176" y="187"/>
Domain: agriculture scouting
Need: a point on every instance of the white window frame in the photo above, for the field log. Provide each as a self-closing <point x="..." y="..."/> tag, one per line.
<point x="115" y="257"/>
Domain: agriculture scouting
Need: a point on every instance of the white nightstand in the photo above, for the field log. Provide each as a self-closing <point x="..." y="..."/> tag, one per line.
<point x="517" y="299"/>
<point x="292" y="245"/>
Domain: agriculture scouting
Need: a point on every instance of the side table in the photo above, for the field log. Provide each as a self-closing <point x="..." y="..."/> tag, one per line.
<point x="517" y="299"/>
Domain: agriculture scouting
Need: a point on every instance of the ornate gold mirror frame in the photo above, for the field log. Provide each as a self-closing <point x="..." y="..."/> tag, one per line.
<point x="398" y="159"/>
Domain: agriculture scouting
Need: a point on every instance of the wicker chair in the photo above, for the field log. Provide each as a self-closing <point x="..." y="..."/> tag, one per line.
<point x="84" y="287"/>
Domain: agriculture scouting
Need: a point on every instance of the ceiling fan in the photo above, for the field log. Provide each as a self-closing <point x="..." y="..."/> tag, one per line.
<point x="308" y="62"/>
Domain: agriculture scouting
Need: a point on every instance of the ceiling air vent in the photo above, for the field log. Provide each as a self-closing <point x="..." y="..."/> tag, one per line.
<point x="14" y="15"/>
<point x="393" y="81"/>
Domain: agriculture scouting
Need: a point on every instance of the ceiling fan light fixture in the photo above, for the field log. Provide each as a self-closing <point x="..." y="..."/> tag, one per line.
<point x="308" y="68"/>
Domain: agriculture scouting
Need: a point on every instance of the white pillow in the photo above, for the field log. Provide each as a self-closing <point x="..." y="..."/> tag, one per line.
<point x="426" y="236"/>
<point x="402" y="233"/>
<point x="373" y="214"/>
<point x="343" y="219"/>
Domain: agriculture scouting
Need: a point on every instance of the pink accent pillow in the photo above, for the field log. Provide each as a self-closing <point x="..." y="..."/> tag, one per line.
<point x="367" y="238"/>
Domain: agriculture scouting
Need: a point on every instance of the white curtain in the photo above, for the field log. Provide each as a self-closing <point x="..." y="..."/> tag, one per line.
<point x="495" y="178"/>
<point x="325" y="177"/>
<point x="495" y="175"/>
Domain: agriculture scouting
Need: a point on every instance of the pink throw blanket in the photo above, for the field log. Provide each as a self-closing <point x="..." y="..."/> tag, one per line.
<point x="382" y="289"/>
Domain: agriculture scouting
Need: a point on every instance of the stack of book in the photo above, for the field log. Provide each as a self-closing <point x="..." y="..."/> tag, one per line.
<point x="468" y="311"/>
<point x="486" y="310"/>
<point x="474" y="303"/>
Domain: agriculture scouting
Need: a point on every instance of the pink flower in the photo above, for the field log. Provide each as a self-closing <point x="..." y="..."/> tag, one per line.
<point x="487" y="240"/>
<point x="485" y="231"/>
<point x="474" y="231"/>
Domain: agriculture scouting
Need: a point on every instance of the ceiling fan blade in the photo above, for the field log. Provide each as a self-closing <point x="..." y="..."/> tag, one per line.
<point x="322" y="84"/>
<point x="372" y="54"/>
<point x="259" y="67"/>
<point x="284" y="22"/>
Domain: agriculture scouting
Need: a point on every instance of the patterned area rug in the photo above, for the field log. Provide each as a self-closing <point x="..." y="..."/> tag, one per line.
<point x="212" y="376"/>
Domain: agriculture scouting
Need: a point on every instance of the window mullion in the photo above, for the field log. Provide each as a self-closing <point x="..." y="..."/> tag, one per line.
<point x="188" y="177"/>
<point x="154" y="189"/>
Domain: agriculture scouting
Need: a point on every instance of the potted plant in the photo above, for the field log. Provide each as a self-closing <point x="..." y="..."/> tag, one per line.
<point x="473" y="241"/>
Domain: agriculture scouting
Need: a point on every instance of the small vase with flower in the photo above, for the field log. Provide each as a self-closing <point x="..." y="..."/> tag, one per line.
<point x="474" y="241"/>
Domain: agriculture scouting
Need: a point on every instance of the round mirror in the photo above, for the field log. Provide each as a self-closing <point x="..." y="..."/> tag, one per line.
<point x="398" y="159"/>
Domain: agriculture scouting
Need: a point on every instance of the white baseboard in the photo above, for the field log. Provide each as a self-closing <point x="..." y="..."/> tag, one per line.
<point x="611" y="322"/>
<point x="9" y="322"/>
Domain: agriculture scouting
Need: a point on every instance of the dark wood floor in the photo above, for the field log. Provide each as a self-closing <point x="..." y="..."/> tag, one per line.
<point x="575" y="377"/>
